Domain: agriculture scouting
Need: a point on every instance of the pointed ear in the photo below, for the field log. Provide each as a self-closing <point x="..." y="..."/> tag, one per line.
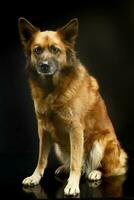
<point x="69" y="32"/>
<point x="26" y="30"/>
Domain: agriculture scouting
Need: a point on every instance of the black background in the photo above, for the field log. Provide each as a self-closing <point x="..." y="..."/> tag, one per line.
<point x="105" y="44"/>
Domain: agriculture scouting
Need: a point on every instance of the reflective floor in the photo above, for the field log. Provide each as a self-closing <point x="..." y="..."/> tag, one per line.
<point x="15" y="167"/>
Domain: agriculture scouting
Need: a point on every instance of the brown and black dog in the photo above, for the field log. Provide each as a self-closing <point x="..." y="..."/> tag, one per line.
<point x="69" y="109"/>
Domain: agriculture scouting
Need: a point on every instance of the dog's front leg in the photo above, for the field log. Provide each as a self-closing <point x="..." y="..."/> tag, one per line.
<point x="44" y="148"/>
<point x="76" y="156"/>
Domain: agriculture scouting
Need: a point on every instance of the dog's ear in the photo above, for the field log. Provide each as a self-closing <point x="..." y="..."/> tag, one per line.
<point x="26" y="31"/>
<point x="69" y="31"/>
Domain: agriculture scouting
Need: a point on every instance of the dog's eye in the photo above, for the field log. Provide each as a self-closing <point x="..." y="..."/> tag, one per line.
<point x="38" y="50"/>
<point x="54" y="49"/>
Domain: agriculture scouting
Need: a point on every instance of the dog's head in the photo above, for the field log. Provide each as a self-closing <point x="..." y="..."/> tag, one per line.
<point x="48" y="51"/>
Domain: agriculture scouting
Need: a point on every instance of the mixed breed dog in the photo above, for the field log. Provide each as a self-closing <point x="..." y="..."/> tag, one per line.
<point x="70" y="112"/>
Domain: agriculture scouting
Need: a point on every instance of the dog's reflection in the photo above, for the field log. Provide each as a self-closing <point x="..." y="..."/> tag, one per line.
<point x="108" y="187"/>
<point x="113" y="186"/>
<point x="37" y="191"/>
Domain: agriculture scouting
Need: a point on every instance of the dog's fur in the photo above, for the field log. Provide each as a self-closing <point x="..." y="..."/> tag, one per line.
<point x="69" y="109"/>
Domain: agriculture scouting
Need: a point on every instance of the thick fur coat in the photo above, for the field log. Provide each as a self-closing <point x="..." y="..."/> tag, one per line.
<point x="69" y="109"/>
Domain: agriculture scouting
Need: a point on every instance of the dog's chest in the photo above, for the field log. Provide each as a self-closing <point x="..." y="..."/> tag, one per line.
<point x="56" y="119"/>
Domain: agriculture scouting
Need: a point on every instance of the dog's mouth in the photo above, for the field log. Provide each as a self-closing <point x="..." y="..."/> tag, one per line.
<point x="47" y="68"/>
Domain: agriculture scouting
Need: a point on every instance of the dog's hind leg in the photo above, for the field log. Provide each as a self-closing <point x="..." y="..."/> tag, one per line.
<point x="107" y="155"/>
<point x="114" y="162"/>
<point x="94" y="161"/>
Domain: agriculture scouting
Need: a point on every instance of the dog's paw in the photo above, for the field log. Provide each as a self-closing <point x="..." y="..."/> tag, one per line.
<point x="61" y="170"/>
<point x="32" y="180"/>
<point x="71" y="189"/>
<point x="95" y="175"/>
<point x="94" y="184"/>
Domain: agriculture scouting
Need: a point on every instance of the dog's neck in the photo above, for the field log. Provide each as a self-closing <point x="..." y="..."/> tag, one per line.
<point x="59" y="83"/>
<point x="52" y="82"/>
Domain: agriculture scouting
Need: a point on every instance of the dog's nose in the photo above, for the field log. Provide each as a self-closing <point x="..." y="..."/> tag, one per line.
<point x="44" y="67"/>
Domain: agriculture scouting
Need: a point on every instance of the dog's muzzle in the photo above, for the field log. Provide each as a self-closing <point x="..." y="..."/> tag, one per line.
<point x="47" y="67"/>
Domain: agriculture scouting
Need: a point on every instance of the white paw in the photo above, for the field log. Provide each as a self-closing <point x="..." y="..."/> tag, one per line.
<point x="71" y="189"/>
<point x="95" y="175"/>
<point x="60" y="170"/>
<point x="32" y="180"/>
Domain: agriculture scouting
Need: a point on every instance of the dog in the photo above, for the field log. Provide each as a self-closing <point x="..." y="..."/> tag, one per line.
<point x="70" y="112"/>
